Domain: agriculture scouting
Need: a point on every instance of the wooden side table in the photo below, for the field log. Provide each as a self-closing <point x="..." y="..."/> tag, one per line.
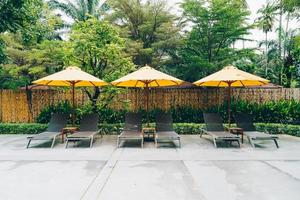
<point x="148" y="131"/>
<point x="237" y="131"/>
<point x="66" y="131"/>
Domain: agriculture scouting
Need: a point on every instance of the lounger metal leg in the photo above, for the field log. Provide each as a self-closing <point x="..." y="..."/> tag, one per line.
<point x="118" y="143"/>
<point x="251" y="142"/>
<point x="215" y="142"/>
<point x="67" y="142"/>
<point x="53" y="142"/>
<point x="28" y="143"/>
<point x="142" y="143"/>
<point x="156" y="143"/>
<point x="91" y="144"/>
<point x="179" y="143"/>
<point x="239" y="143"/>
<point x="276" y="143"/>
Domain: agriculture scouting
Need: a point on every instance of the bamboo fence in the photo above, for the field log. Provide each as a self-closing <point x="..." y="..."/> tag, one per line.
<point x="22" y="106"/>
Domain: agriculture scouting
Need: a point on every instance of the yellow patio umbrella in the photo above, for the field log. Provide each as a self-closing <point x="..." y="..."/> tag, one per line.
<point x="71" y="77"/>
<point x="147" y="77"/>
<point x="231" y="76"/>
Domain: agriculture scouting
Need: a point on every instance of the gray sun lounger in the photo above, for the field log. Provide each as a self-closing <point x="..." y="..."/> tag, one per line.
<point x="214" y="127"/>
<point x="164" y="129"/>
<point x="245" y="121"/>
<point x="56" y="124"/>
<point x="132" y="129"/>
<point x="88" y="128"/>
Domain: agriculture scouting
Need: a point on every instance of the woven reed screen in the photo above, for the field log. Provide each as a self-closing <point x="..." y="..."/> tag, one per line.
<point x="15" y="106"/>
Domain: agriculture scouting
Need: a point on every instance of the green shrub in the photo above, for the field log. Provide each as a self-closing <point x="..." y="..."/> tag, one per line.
<point x="287" y="112"/>
<point x="284" y="111"/>
<point x="111" y="129"/>
<point x="12" y="128"/>
<point x="62" y="107"/>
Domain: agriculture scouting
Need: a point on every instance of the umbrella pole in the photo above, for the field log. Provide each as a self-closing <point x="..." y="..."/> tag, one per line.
<point x="147" y="103"/>
<point x="73" y="103"/>
<point x="229" y="103"/>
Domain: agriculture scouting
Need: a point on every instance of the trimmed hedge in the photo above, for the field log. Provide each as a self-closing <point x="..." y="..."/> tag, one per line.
<point x="24" y="128"/>
<point x="293" y="130"/>
<point x="180" y="128"/>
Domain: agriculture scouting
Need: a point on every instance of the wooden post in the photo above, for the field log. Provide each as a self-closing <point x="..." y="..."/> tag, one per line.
<point x="147" y="103"/>
<point x="73" y="103"/>
<point x="229" y="102"/>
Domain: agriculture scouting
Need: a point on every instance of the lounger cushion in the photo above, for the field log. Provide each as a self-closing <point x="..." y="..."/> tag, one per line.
<point x="44" y="135"/>
<point x="256" y="135"/>
<point x="131" y="135"/>
<point x="222" y="135"/>
<point x="82" y="134"/>
<point x="167" y="135"/>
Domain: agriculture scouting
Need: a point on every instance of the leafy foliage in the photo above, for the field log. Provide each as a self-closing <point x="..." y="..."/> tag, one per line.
<point x="216" y="26"/>
<point x="80" y="10"/>
<point x="24" y="65"/>
<point x="16" y="15"/>
<point x="15" y="128"/>
<point x="286" y="112"/>
<point x="99" y="50"/>
<point x="293" y="130"/>
<point x="46" y="113"/>
<point x="150" y="30"/>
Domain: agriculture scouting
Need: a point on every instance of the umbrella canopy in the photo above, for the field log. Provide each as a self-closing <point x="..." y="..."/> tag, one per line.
<point x="69" y="77"/>
<point x="72" y="77"/>
<point x="231" y="76"/>
<point x="147" y="77"/>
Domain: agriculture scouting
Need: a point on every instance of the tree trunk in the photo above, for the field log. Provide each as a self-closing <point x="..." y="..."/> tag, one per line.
<point x="286" y="32"/>
<point x="94" y="97"/>
<point x="280" y="28"/>
<point x="280" y="42"/>
<point x="266" y="54"/>
<point x="29" y="100"/>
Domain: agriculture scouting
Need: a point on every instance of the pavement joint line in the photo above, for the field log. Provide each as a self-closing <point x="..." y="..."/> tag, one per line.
<point x="230" y="160"/>
<point x="281" y="171"/>
<point x="106" y="171"/>
<point x="73" y="160"/>
<point x="96" y="177"/>
<point x="107" y="178"/>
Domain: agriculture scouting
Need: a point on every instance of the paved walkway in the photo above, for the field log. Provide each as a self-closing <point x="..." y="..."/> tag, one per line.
<point x="196" y="171"/>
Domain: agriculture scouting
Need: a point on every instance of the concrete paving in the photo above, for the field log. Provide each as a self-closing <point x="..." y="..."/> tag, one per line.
<point x="194" y="172"/>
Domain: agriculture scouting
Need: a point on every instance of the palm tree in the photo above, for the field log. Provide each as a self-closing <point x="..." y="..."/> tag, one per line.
<point x="266" y="23"/>
<point x="80" y="10"/>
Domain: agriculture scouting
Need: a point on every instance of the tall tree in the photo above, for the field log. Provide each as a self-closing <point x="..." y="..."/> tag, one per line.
<point x="216" y="25"/>
<point x="15" y="15"/>
<point x="99" y="50"/>
<point x="265" y="23"/>
<point x="291" y="8"/>
<point x="27" y="64"/>
<point x="285" y="7"/>
<point x="80" y="10"/>
<point x="150" y="30"/>
<point x="32" y="51"/>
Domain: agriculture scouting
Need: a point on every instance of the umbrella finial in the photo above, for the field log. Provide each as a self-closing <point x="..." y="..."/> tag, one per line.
<point x="230" y="67"/>
<point x="147" y="67"/>
<point x="73" y="68"/>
